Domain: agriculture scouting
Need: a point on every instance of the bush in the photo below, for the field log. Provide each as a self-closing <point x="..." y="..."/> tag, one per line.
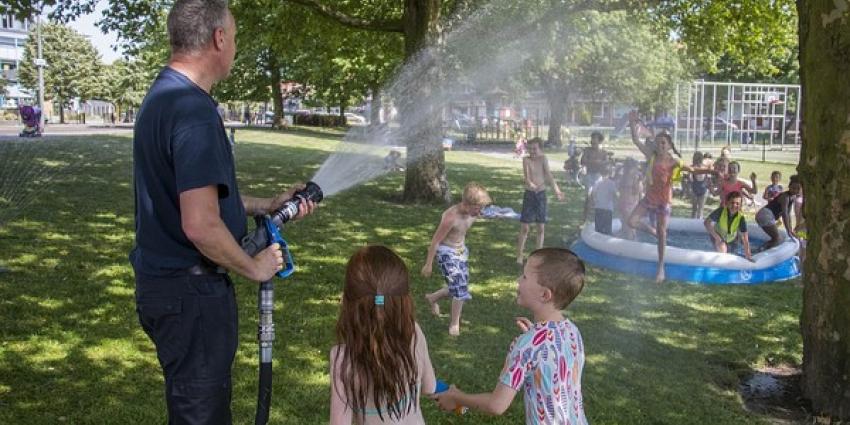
<point x="10" y="115"/>
<point x="317" y="120"/>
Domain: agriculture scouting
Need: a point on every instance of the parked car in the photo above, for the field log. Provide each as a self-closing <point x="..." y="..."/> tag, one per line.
<point x="460" y="122"/>
<point x="353" y="119"/>
<point x="720" y="124"/>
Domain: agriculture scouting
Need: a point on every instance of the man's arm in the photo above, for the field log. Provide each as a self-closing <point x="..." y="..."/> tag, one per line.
<point x="202" y="224"/>
<point x="442" y="231"/>
<point x="257" y="206"/>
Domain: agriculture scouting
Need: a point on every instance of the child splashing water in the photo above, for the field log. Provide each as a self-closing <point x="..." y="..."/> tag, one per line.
<point x="448" y="246"/>
<point x="661" y="168"/>
<point x="381" y="364"/>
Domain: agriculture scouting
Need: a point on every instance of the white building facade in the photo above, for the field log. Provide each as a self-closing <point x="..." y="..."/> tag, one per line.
<point x="13" y="38"/>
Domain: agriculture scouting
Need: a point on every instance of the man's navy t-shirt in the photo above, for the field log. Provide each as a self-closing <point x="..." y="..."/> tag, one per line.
<point x="179" y="144"/>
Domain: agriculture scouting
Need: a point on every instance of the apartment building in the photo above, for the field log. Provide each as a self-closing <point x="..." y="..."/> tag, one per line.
<point x="13" y="37"/>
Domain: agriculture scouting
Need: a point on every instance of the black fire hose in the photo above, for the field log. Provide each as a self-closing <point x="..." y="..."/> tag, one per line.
<point x="266" y="234"/>
<point x="266" y="337"/>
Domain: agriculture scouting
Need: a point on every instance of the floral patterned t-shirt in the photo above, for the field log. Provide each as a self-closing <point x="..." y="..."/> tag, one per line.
<point x="546" y="363"/>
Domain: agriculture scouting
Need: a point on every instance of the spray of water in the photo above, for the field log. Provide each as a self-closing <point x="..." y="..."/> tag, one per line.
<point x="29" y="170"/>
<point x="360" y="157"/>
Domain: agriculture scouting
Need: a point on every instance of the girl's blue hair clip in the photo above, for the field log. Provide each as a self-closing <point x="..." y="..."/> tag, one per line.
<point x="379" y="300"/>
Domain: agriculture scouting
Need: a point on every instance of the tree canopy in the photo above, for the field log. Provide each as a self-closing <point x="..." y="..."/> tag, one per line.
<point x="73" y="65"/>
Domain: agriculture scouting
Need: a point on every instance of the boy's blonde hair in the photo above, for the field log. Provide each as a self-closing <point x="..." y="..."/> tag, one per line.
<point x="475" y="194"/>
<point x="562" y="272"/>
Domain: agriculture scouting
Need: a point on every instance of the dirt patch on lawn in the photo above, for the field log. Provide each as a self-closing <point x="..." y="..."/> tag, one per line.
<point x="774" y="392"/>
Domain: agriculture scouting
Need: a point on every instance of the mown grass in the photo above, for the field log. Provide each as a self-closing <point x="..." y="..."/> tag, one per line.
<point x="72" y="351"/>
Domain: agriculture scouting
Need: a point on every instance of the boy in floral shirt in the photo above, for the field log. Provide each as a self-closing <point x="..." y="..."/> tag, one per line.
<point x="546" y="361"/>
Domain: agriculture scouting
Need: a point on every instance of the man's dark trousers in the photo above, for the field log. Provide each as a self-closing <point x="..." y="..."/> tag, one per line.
<point x="193" y="323"/>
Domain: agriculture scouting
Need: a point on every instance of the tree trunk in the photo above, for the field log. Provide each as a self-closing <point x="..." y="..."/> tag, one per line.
<point x="375" y="109"/>
<point x="825" y="169"/>
<point x="557" y="111"/>
<point x="277" y="95"/>
<point x="557" y="99"/>
<point x="425" y="178"/>
<point x="61" y="112"/>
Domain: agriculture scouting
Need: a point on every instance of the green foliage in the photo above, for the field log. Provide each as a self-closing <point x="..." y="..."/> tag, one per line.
<point x="63" y="10"/>
<point x="319" y="120"/>
<point x="73" y="64"/>
<point x="614" y="55"/>
<point x="125" y="83"/>
<point x="739" y="40"/>
<point x="345" y="64"/>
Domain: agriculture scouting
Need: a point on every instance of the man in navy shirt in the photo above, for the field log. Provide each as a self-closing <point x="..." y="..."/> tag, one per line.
<point x="190" y="215"/>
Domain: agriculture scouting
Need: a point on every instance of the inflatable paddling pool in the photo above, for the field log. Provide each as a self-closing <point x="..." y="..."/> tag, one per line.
<point x="686" y="264"/>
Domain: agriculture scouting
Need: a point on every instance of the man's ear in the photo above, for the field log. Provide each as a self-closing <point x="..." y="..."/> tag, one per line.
<point x="218" y="38"/>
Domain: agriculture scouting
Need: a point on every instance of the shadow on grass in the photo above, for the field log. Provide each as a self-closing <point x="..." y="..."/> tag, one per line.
<point x="656" y="354"/>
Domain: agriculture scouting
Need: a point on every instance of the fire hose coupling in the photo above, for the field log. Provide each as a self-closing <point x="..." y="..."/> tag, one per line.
<point x="289" y="209"/>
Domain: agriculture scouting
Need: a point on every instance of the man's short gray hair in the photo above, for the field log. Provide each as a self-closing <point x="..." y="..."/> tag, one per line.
<point x="191" y="23"/>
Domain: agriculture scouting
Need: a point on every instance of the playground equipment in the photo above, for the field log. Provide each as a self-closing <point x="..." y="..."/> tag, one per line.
<point x="744" y="115"/>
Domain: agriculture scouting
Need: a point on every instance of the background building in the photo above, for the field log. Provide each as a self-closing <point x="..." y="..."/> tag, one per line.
<point x="13" y="37"/>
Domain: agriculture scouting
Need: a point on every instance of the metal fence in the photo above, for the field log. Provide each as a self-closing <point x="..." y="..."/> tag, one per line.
<point x="750" y="116"/>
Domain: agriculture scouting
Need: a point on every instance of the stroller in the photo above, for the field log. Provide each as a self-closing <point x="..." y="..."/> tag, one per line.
<point x="31" y="117"/>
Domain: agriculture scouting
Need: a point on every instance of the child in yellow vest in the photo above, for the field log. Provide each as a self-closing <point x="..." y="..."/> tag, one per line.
<point x="727" y="227"/>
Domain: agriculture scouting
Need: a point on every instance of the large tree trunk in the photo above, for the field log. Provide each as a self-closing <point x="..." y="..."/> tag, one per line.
<point x="825" y="169"/>
<point x="557" y="98"/>
<point x="557" y="113"/>
<point x="425" y="178"/>
<point x="277" y="95"/>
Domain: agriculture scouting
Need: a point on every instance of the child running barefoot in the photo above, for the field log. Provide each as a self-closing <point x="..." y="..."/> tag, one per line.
<point x="546" y="361"/>
<point x="452" y="256"/>
<point x="661" y="168"/>
<point x="536" y="175"/>
<point x="381" y="363"/>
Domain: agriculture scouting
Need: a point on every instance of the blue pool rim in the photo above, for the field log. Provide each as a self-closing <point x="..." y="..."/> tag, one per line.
<point x="785" y="270"/>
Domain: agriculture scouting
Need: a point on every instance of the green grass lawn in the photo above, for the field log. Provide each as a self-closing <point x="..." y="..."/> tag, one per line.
<point x="72" y="351"/>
